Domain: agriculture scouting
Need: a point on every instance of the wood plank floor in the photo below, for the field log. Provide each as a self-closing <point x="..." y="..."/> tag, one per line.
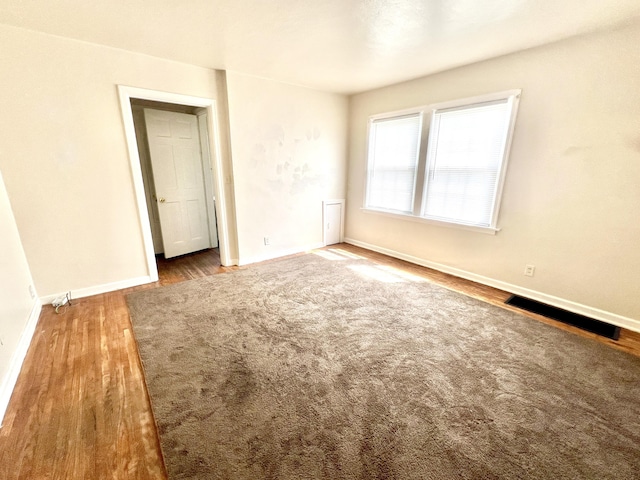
<point x="80" y="409"/>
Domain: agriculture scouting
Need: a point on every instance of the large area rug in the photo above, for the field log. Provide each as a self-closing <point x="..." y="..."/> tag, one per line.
<point x="332" y="367"/>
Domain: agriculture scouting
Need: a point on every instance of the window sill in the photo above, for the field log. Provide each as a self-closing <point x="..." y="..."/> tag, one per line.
<point x="438" y="223"/>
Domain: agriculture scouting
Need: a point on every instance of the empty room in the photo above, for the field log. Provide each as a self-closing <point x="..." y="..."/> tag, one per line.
<point x="320" y="239"/>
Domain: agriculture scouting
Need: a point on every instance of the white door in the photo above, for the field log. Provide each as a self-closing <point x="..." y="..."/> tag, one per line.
<point x="174" y="147"/>
<point x="332" y="223"/>
<point x="147" y="177"/>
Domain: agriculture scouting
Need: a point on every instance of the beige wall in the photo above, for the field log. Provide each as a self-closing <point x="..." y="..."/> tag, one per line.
<point x="571" y="203"/>
<point x="16" y="303"/>
<point x="64" y="155"/>
<point x="288" y="149"/>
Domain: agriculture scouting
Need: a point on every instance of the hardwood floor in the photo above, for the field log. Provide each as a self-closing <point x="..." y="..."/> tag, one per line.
<point x="80" y="409"/>
<point x="629" y="341"/>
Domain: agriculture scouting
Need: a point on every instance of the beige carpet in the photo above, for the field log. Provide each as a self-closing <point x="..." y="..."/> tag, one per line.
<point x="335" y="368"/>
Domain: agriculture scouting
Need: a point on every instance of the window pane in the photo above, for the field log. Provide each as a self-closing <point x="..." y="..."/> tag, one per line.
<point x="393" y="157"/>
<point x="465" y="154"/>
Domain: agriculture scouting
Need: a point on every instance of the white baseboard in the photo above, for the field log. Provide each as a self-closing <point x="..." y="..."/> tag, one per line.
<point x="603" y="315"/>
<point x="277" y="254"/>
<point x="9" y="382"/>
<point x="98" y="289"/>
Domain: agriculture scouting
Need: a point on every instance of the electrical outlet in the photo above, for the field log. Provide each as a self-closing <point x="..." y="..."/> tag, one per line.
<point x="267" y="241"/>
<point x="529" y="269"/>
<point x="32" y="292"/>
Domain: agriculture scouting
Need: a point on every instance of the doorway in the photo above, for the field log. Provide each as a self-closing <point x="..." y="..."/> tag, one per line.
<point x="177" y="175"/>
<point x="216" y="213"/>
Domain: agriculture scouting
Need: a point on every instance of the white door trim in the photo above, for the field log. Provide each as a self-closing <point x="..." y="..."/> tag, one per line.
<point x="125" y="94"/>
<point x="205" y="151"/>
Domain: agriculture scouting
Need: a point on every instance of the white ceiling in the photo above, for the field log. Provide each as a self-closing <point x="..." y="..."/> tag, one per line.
<point x="343" y="46"/>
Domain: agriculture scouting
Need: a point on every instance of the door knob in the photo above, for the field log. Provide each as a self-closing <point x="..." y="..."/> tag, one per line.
<point x="161" y="199"/>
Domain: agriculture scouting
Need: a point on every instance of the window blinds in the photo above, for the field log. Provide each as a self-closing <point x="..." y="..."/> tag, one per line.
<point x="393" y="160"/>
<point x="464" y="158"/>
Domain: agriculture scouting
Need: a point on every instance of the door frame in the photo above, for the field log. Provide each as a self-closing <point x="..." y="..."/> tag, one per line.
<point x="205" y="151"/>
<point x="125" y="94"/>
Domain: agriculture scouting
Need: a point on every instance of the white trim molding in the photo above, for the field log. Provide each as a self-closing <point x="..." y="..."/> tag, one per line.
<point x="596" y="313"/>
<point x="430" y="221"/>
<point x="98" y="289"/>
<point x="9" y="382"/>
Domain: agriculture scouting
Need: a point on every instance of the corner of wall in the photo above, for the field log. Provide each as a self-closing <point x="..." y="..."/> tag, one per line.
<point x="20" y="353"/>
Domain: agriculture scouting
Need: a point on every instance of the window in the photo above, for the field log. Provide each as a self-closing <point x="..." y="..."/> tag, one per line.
<point x="393" y="161"/>
<point x="458" y="176"/>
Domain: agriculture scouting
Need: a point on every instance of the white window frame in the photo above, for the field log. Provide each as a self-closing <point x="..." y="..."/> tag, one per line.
<point x="418" y="173"/>
<point x="428" y="112"/>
